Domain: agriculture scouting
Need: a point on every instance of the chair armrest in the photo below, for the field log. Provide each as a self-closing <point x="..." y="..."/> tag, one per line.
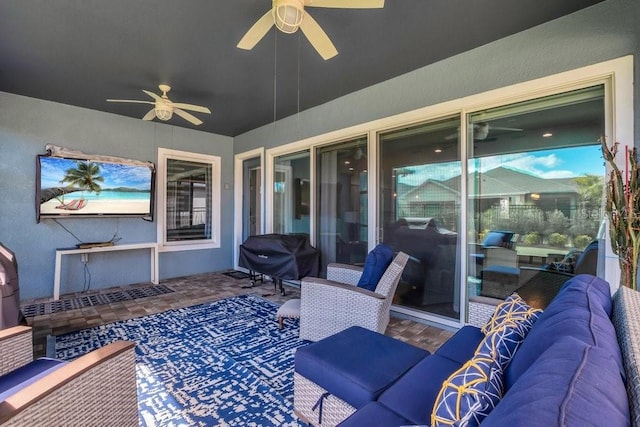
<point x="344" y="273"/>
<point x="99" y="387"/>
<point x="16" y="348"/>
<point x="330" y="286"/>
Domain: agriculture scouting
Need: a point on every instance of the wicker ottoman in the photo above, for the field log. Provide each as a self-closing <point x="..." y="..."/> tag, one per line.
<point x="343" y="372"/>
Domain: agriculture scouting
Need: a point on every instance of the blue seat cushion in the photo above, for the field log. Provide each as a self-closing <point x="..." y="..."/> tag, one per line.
<point x="375" y="265"/>
<point x="570" y="384"/>
<point x="462" y="345"/>
<point x="357" y="364"/>
<point x="18" y="379"/>
<point x="580" y="310"/>
<point x="374" y="415"/>
<point x="497" y="238"/>
<point x="412" y="396"/>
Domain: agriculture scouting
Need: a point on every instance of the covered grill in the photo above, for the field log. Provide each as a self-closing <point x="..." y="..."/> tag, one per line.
<point x="281" y="256"/>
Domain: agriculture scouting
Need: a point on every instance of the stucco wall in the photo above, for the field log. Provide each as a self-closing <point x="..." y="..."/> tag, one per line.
<point x="26" y="126"/>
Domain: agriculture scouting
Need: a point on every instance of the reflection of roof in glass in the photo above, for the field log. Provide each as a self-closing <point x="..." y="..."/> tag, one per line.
<point x="496" y="182"/>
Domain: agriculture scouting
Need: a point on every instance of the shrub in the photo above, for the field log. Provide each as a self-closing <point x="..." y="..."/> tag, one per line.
<point x="558" y="240"/>
<point x="581" y="241"/>
<point x="532" y="238"/>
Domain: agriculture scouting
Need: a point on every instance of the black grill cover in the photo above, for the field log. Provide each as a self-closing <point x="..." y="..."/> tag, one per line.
<point x="281" y="256"/>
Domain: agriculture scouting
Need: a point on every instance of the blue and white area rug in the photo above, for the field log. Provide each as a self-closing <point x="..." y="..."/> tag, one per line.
<point x="224" y="363"/>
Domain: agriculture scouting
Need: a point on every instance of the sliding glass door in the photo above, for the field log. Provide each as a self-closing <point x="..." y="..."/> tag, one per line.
<point x="341" y="194"/>
<point x="419" y="212"/>
<point x="536" y="180"/>
<point x="291" y="197"/>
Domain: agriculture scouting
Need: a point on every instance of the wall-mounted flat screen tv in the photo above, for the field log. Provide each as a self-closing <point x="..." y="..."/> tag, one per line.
<point x="73" y="188"/>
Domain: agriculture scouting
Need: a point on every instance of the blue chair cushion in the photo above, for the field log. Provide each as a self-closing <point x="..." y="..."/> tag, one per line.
<point x="497" y="238"/>
<point x="357" y="377"/>
<point x="412" y="396"/>
<point x="374" y="415"/>
<point x="571" y="384"/>
<point x="375" y="265"/>
<point x="18" y="379"/>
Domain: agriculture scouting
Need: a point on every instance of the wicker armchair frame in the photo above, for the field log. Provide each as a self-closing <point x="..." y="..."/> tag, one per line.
<point x="328" y="306"/>
<point x="97" y="389"/>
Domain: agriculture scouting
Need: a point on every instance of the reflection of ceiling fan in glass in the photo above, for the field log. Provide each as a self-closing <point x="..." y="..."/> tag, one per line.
<point x="481" y="131"/>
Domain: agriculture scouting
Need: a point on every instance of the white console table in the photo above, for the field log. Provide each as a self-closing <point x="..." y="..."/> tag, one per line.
<point x="153" y="250"/>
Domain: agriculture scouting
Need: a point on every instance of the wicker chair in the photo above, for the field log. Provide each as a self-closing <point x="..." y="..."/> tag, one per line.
<point x="328" y="306"/>
<point x="97" y="389"/>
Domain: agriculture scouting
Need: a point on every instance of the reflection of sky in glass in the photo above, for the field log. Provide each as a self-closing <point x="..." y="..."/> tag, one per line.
<point x="115" y="175"/>
<point x="556" y="163"/>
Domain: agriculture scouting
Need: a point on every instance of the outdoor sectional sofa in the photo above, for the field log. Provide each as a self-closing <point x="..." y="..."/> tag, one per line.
<point x="576" y="366"/>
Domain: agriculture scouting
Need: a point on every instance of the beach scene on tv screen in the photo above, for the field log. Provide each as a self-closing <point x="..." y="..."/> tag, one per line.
<point x="84" y="187"/>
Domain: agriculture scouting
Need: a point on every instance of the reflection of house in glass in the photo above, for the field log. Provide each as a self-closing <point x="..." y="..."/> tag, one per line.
<point x="503" y="190"/>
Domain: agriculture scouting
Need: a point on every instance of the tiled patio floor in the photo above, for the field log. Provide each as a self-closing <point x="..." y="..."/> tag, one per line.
<point x="192" y="290"/>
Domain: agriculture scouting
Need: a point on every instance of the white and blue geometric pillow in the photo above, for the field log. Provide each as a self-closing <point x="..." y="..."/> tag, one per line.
<point x="469" y="394"/>
<point x="514" y="310"/>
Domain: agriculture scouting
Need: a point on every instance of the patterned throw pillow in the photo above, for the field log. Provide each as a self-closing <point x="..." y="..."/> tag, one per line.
<point x="514" y="309"/>
<point x="469" y="394"/>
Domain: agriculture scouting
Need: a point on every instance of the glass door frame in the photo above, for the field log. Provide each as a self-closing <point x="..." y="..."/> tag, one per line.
<point x="238" y="184"/>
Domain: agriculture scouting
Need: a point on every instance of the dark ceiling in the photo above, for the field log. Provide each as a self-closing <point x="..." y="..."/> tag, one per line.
<point x="81" y="52"/>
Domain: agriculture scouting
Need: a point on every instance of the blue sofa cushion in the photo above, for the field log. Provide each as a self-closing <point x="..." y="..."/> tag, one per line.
<point x="412" y="396"/>
<point x="375" y="265"/>
<point x="18" y="379"/>
<point x="357" y="377"/>
<point x="570" y="384"/>
<point x="374" y="415"/>
<point x="580" y="310"/>
<point x="462" y="345"/>
<point x="469" y="394"/>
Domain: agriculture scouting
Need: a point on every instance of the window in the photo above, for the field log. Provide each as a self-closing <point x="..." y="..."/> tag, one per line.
<point x="189" y="200"/>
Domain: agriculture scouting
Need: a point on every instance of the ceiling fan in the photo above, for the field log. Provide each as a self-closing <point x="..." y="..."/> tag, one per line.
<point x="164" y="107"/>
<point x="289" y="15"/>
<point x="481" y="131"/>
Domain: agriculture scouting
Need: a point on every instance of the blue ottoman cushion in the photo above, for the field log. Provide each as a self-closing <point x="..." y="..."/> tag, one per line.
<point x="357" y="377"/>
<point x="558" y="390"/>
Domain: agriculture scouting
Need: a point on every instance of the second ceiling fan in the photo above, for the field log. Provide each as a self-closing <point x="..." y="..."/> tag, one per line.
<point x="289" y="15"/>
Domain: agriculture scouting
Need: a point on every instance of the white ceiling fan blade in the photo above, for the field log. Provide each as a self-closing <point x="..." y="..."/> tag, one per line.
<point x="257" y="32"/>
<point x="191" y="107"/>
<point x="153" y="95"/>
<point x="346" y="4"/>
<point x="317" y="37"/>
<point x="131" y="100"/>
<point x="188" y="117"/>
<point x="150" y="115"/>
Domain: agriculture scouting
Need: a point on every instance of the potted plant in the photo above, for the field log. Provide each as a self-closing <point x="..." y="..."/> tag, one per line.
<point x="623" y="209"/>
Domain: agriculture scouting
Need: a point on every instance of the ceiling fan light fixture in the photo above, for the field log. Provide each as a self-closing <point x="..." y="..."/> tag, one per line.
<point x="163" y="112"/>
<point x="288" y="15"/>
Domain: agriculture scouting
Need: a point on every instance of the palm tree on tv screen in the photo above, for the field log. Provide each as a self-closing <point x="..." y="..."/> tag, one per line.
<point x="85" y="175"/>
